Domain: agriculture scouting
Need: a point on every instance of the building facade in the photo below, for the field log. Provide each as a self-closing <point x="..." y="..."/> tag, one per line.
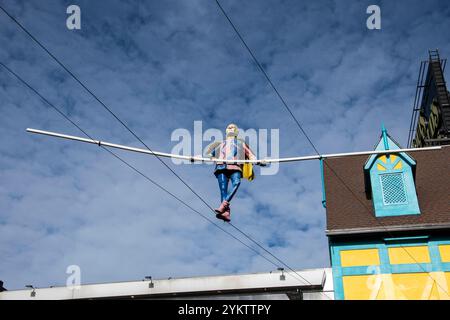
<point x="388" y="223"/>
<point x="430" y="120"/>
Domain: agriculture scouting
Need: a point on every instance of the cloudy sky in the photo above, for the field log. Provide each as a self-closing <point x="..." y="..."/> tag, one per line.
<point x="161" y="65"/>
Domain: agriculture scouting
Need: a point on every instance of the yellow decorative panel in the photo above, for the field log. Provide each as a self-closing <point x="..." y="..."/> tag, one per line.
<point x="399" y="165"/>
<point x="409" y="255"/>
<point x="446" y="278"/>
<point x="411" y="286"/>
<point x="362" y="257"/>
<point x="402" y="286"/>
<point x="371" y="287"/>
<point x="380" y="167"/>
<point x="422" y="286"/>
<point x="393" y="158"/>
<point x="383" y="158"/>
<point x="440" y="290"/>
<point x="357" y="287"/>
<point x="444" y="250"/>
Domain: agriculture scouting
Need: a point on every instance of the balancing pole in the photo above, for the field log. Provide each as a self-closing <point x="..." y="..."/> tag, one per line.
<point x="201" y="159"/>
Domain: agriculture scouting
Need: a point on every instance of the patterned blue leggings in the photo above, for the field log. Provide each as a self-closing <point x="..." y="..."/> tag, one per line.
<point x="223" y="177"/>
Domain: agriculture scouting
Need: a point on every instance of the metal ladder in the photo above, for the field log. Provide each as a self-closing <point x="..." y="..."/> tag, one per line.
<point x="442" y="95"/>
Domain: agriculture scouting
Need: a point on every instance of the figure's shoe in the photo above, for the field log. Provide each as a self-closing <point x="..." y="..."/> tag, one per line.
<point x="226" y="216"/>
<point x="223" y="207"/>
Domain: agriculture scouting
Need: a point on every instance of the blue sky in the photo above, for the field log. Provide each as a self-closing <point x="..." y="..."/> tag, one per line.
<point x="161" y="65"/>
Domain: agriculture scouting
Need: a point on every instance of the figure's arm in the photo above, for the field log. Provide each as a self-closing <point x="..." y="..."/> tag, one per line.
<point x="248" y="152"/>
<point x="211" y="150"/>
<point x="251" y="156"/>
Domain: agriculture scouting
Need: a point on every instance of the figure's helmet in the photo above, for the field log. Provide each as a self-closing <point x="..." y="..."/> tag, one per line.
<point x="232" y="130"/>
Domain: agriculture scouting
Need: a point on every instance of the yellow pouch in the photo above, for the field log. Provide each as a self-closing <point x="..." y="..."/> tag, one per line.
<point x="247" y="171"/>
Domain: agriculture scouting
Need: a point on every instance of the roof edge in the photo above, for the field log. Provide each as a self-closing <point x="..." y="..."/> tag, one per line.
<point x="410" y="227"/>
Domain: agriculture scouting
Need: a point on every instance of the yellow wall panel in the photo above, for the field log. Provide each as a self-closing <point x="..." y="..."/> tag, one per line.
<point x="447" y="282"/>
<point x="423" y="286"/>
<point x="363" y="257"/>
<point x="444" y="250"/>
<point x="371" y="287"/>
<point x="410" y="255"/>
<point x="357" y="287"/>
<point x="410" y="286"/>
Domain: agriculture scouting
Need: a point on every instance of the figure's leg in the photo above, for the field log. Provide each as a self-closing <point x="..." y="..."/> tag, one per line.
<point x="235" y="183"/>
<point x="223" y="185"/>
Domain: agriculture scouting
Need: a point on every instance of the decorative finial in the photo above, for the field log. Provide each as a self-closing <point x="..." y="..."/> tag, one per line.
<point x="385" y="139"/>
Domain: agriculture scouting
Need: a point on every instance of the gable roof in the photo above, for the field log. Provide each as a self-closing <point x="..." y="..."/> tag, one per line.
<point x="393" y="145"/>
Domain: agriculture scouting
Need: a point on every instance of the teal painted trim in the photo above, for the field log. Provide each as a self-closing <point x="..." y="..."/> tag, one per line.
<point x="441" y="241"/>
<point x="394" y="269"/>
<point x="435" y="256"/>
<point x="338" y="285"/>
<point x="407" y="244"/>
<point x="433" y="250"/>
<point x="382" y="253"/>
<point x="324" y="199"/>
<point x="381" y="245"/>
<point x="385" y="139"/>
<point x="384" y="260"/>
<point x="399" y="213"/>
<point x="357" y="245"/>
<point x="338" y="280"/>
<point x="336" y="256"/>
<point x="359" y="271"/>
<point x="337" y="247"/>
<point x="338" y="271"/>
<point x="382" y="209"/>
<point x="406" y="238"/>
<point x="412" y="268"/>
<point x="393" y="146"/>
